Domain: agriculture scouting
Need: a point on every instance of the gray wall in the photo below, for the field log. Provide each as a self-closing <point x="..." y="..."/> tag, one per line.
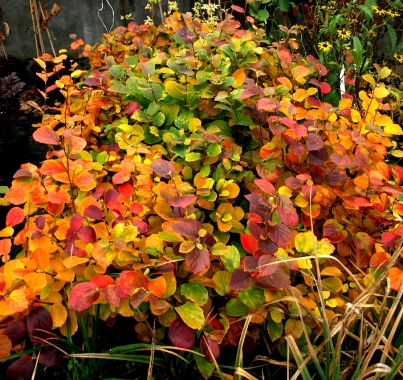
<point x="78" y="17"/>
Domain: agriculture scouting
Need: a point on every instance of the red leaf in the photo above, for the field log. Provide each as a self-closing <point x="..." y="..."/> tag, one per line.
<point x="39" y="325"/>
<point x="83" y="296"/>
<point x="334" y="232"/>
<point x="45" y="135"/>
<point x="250" y="264"/>
<point x="187" y="227"/>
<point x="264" y="268"/>
<point x="181" y="335"/>
<point x="209" y="348"/>
<point x="112" y="294"/>
<point x="131" y="108"/>
<point x="199" y="260"/>
<point x="93" y="212"/>
<point x="314" y="101"/>
<point x="286" y="211"/>
<point x="314" y="142"/>
<point x="325" y="87"/>
<point x="389" y="239"/>
<point x="163" y="168"/>
<point x="131" y="280"/>
<point x="268" y="104"/>
<point x="237" y="9"/>
<point x="126" y="191"/>
<point x="87" y="234"/>
<point x="21" y="369"/>
<point x="50" y="356"/>
<point x="76" y="222"/>
<point x="14" y="216"/>
<point x="137" y="298"/>
<point x="240" y="280"/>
<point x="16" y="331"/>
<point x="136" y="208"/>
<point x="341" y="160"/>
<point x="265" y="186"/>
<point x="249" y="243"/>
<point x="102" y="280"/>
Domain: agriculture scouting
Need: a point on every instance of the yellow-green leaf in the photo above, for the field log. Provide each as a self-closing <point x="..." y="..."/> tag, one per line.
<point x="191" y="314"/>
<point x="304" y="242"/>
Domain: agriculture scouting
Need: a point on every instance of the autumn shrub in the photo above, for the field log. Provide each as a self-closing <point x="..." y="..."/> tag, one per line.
<point x="198" y="183"/>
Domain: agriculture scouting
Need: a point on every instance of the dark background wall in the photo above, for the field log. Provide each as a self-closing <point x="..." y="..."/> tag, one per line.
<point x="78" y="17"/>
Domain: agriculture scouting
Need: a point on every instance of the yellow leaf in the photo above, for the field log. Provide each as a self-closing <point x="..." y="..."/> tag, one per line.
<point x="66" y="275"/>
<point x="72" y="261"/>
<point x="36" y="282"/>
<point x="72" y="321"/>
<point x="59" y="314"/>
<point x="239" y="75"/>
<point x="40" y="62"/>
<point x="370" y="79"/>
<point x="331" y="271"/>
<point x="285" y="191"/>
<point x="7" y="232"/>
<point x="331" y="303"/>
<point x="393" y="129"/>
<point x="312" y="91"/>
<point x="385" y="72"/>
<point x="286" y="82"/>
<point x="355" y="116"/>
<point x="381" y="92"/>
<point x="345" y="103"/>
<point x="304" y="263"/>
<point x="397" y="153"/>
<point x="77" y="73"/>
<point x="304" y="242"/>
<point x="300" y="95"/>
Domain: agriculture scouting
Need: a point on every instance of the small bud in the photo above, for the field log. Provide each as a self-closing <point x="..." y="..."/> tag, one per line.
<point x="202" y="233"/>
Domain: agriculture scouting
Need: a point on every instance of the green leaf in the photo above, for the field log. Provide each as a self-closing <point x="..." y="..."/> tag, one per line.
<point x="196" y="292"/>
<point x="119" y="88"/>
<point x="253" y="297"/>
<point x="213" y="150"/>
<point x="131" y="60"/>
<point x="170" y="112"/>
<point x="357" y="52"/>
<point x="236" y="308"/>
<point x="392" y="36"/>
<point x="166" y="236"/>
<point x="150" y="138"/>
<point x="158" y="119"/>
<point x="366" y="10"/>
<point x="205" y="171"/>
<point x="283" y="5"/>
<point x="204" y="366"/>
<point x="191" y="314"/>
<point x="262" y="15"/>
<point x="274" y="329"/>
<point x="202" y="76"/>
<point x="117" y="71"/>
<point x="221" y="280"/>
<point x="152" y="109"/>
<point x="193" y="156"/>
<point x="175" y="90"/>
<point x="4" y="189"/>
<point x="229" y="256"/>
<point x="333" y="23"/>
<point x="182" y="121"/>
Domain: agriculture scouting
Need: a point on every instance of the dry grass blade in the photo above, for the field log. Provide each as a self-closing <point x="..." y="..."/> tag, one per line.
<point x="150" y="367"/>
<point x="36" y="366"/>
<point x="376" y="368"/>
<point x="239" y="355"/>
<point x="297" y="356"/>
<point x="243" y="373"/>
<point x="275" y="362"/>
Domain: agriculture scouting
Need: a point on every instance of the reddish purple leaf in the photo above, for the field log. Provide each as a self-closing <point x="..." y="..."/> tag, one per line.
<point x="264" y="268"/>
<point x="268" y="247"/>
<point x="76" y="222"/>
<point x="163" y="168"/>
<point x="39" y="325"/>
<point x="50" y="356"/>
<point x="21" y="369"/>
<point x="111" y="197"/>
<point x="182" y="201"/>
<point x="294" y="183"/>
<point x="83" y="296"/>
<point x="280" y="234"/>
<point x="265" y="186"/>
<point x="137" y="298"/>
<point x="187" y="227"/>
<point x="181" y="335"/>
<point x="112" y="294"/>
<point x="314" y="142"/>
<point x="93" y="212"/>
<point x="314" y="101"/>
<point x="268" y="104"/>
<point x="87" y="234"/>
<point x="234" y="332"/>
<point x="199" y="260"/>
<point x="141" y="226"/>
<point x="341" y="160"/>
<point x="16" y="331"/>
<point x="250" y="264"/>
<point x="209" y="348"/>
<point x="131" y="108"/>
<point x="335" y="232"/>
<point x="157" y="303"/>
<point x="277" y="280"/>
<point x="46" y="135"/>
<point x="40" y="222"/>
<point x="256" y="231"/>
<point x="185" y="34"/>
<point x="286" y="211"/>
<point x="240" y="280"/>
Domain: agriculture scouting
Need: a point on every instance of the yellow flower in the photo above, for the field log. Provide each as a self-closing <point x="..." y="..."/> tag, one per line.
<point x="344" y="34"/>
<point x="392" y="13"/>
<point x="324" y="46"/>
<point x="299" y="28"/>
<point x="399" y="57"/>
<point x="378" y="10"/>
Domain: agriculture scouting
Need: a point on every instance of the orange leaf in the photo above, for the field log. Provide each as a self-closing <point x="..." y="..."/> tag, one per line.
<point x="286" y="82"/>
<point x="76" y="44"/>
<point x="41" y="258"/>
<point x="239" y="75"/>
<point x="379" y="259"/>
<point x="14" y="216"/>
<point x="5" y="346"/>
<point x="158" y="286"/>
<point x="396" y="278"/>
<point x="5" y="247"/>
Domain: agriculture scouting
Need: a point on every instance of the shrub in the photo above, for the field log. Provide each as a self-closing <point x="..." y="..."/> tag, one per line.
<point x="196" y="176"/>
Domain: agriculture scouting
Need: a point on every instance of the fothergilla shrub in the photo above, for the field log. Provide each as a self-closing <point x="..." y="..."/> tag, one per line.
<point x="196" y="177"/>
